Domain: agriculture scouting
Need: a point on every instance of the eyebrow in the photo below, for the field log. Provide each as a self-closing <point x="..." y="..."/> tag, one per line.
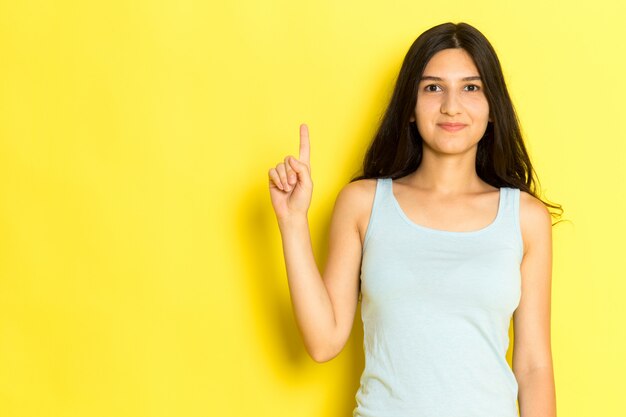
<point x="430" y="77"/>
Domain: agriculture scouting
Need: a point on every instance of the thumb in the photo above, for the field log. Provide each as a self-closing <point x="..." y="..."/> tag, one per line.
<point x="300" y="168"/>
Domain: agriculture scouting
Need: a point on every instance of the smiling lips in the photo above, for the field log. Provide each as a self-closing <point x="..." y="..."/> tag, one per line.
<point x="451" y="127"/>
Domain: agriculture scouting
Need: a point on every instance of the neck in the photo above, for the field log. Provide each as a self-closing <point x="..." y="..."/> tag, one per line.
<point x="447" y="175"/>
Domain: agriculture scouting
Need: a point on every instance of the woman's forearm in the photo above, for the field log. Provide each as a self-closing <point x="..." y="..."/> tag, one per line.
<point x="537" y="394"/>
<point x="311" y="302"/>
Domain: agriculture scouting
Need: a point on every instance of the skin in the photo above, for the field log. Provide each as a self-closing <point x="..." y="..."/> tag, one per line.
<point x="444" y="193"/>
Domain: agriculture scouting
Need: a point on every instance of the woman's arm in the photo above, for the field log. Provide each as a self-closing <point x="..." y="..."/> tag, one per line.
<point x="324" y="306"/>
<point x="532" y="356"/>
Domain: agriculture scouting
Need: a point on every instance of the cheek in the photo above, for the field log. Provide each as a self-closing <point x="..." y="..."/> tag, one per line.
<point x="480" y="108"/>
<point x="425" y="113"/>
<point x="485" y="108"/>
<point x="425" y="108"/>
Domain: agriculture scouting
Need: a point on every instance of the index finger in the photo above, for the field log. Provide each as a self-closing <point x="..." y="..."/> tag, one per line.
<point x="305" y="148"/>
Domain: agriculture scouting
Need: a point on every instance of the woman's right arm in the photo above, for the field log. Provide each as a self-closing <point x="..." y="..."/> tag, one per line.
<point x="324" y="307"/>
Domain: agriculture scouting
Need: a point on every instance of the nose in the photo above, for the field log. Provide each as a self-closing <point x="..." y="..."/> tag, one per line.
<point x="451" y="103"/>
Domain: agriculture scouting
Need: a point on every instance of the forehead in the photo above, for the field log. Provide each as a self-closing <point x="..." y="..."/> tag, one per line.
<point x="451" y="63"/>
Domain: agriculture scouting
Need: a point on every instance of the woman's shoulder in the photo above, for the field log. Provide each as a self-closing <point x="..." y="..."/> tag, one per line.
<point x="535" y="219"/>
<point x="357" y="197"/>
<point x="359" y="192"/>
<point x="532" y="208"/>
<point x="361" y="186"/>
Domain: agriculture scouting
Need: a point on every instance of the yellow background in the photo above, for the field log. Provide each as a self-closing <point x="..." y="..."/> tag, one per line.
<point x="141" y="269"/>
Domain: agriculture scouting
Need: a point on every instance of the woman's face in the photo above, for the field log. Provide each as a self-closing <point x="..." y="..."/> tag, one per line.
<point x="452" y="110"/>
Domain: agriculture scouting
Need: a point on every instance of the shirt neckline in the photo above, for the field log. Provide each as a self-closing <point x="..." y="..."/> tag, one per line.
<point x="448" y="232"/>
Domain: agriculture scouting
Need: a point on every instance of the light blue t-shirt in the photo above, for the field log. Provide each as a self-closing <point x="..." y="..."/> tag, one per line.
<point x="436" y="308"/>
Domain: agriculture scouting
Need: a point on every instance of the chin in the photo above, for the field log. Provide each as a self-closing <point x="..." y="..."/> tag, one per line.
<point x="449" y="146"/>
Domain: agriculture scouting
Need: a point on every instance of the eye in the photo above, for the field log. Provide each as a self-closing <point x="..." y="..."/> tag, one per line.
<point x="472" y="87"/>
<point x="431" y="87"/>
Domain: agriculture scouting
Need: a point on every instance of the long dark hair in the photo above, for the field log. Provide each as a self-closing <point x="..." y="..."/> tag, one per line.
<point x="501" y="157"/>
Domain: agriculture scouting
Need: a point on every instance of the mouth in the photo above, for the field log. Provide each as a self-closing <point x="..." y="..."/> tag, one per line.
<point x="451" y="127"/>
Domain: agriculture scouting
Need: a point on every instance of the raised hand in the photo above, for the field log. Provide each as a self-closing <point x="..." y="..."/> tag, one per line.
<point x="290" y="182"/>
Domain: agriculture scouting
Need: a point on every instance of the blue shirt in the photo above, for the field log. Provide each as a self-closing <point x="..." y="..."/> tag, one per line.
<point x="436" y="307"/>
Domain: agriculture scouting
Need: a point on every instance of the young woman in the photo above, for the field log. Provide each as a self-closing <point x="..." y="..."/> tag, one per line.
<point x="442" y="238"/>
